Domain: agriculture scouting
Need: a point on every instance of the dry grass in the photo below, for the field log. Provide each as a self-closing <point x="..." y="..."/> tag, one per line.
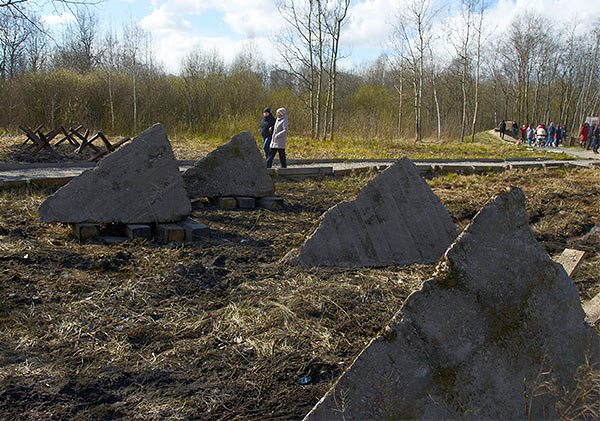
<point x="219" y="329"/>
<point x="485" y="146"/>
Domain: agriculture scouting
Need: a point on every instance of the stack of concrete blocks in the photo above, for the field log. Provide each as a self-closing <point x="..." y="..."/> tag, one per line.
<point x="395" y="219"/>
<point x="234" y="175"/>
<point x="497" y="322"/>
<point x="138" y="185"/>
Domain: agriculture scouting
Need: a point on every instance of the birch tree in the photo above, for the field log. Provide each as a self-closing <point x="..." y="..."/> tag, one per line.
<point x="411" y="38"/>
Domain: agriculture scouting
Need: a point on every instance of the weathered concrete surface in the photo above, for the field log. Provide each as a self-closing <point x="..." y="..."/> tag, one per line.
<point x="138" y="183"/>
<point x="138" y="231"/>
<point x="245" y="202"/>
<point x="395" y="219"/>
<point x="170" y="232"/>
<point x="496" y="312"/>
<point x="86" y="232"/>
<point x="194" y="230"/>
<point x="234" y="169"/>
<point x="226" y="203"/>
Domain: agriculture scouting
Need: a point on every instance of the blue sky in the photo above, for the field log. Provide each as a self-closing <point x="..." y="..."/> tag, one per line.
<point x="230" y="26"/>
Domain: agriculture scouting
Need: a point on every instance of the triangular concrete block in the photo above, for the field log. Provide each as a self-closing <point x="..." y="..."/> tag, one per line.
<point x="138" y="183"/>
<point x="234" y="169"/>
<point x="395" y="219"/>
<point x="498" y="316"/>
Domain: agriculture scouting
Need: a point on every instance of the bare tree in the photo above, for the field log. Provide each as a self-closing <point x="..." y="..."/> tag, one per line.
<point x="411" y="39"/>
<point x="296" y="47"/>
<point x="482" y="6"/>
<point x="460" y="38"/>
<point x="334" y="22"/>
<point x="135" y="46"/>
<point x="109" y="63"/>
<point x="14" y="33"/>
<point x="80" y="50"/>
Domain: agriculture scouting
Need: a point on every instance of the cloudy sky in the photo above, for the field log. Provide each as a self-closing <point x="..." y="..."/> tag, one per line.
<point x="177" y="26"/>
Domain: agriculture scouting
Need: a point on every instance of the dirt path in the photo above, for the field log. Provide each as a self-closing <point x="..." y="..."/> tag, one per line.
<point x="571" y="150"/>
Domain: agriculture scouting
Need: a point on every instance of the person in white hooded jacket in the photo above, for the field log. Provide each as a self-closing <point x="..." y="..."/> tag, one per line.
<point x="279" y="139"/>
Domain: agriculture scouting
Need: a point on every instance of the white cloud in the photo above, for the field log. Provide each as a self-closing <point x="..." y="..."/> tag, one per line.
<point x="251" y="17"/>
<point x="368" y="24"/>
<point x="560" y="12"/>
<point x="365" y="34"/>
<point x="173" y="48"/>
<point x="165" y="20"/>
<point x="171" y="26"/>
<point x="57" y="20"/>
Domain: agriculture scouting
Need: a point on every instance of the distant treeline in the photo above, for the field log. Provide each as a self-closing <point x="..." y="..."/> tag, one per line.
<point x="529" y="73"/>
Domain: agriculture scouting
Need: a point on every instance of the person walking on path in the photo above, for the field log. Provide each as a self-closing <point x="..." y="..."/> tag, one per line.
<point x="551" y="134"/>
<point x="523" y="134"/>
<point x="583" y="133"/>
<point x="541" y="135"/>
<point x="559" y="136"/>
<point x="595" y="138"/>
<point x="279" y="140"/>
<point x="502" y="129"/>
<point x="530" y="134"/>
<point x="266" y="130"/>
<point x="591" y="136"/>
<point x="515" y="130"/>
<point x="565" y="135"/>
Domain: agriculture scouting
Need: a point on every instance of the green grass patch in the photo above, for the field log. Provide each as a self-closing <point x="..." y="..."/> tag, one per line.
<point x="486" y="146"/>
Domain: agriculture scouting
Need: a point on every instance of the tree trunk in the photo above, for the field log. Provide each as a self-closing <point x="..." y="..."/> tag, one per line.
<point x="477" y="67"/>
<point x="112" y="105"/>
<point x="437" y="109"/>
<point x="320" y="72"/>
<point x="134" y="102"/>
<point x="400" y="88"/>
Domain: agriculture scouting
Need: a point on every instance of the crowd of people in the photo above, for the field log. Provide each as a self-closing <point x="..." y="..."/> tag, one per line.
<point x="553" y="135"/>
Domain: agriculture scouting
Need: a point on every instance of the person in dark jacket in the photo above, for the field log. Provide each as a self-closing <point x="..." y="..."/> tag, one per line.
<point x="266" y="130"/>
<point x="515" y="130"/>
<point x="559" y="134"/>
<point x="551" y="135"/>
<point x="594" y="136"/>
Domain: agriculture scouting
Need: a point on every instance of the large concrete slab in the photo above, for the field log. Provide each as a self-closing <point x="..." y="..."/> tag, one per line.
<point x="395" y="219"/>
<point x="498" y="313"/>
<point x="138" y="183"/>
<point x="234" y="169"/>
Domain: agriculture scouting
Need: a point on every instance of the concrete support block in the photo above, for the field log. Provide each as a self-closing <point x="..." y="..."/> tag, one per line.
<point x="270" y="203"/>
<point x="139" y="231"/>
<point x="245" y="202"/>
<point x="86" y="232"/>
<point x="342" y="173"/>
<point x="194" y="230"/>
<point x="170" y="232"/>
<point x="226" y="203"/>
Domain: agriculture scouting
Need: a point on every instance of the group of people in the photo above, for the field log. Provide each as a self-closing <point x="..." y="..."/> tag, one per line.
<point x="589" y="136"/>
<point x="540" y="136"/>
<point x="274" y="134"/>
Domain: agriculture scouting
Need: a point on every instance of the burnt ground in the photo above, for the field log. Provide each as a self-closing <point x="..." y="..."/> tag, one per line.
<point x="218" y="329"/>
